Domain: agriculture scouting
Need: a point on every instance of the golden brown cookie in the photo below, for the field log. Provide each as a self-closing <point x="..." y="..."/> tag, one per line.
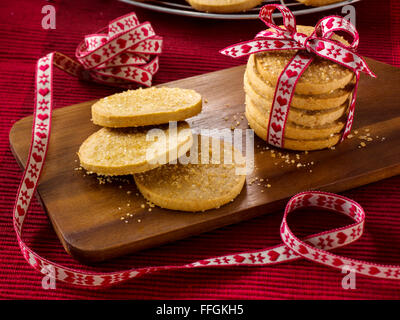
<point x="321" y="76"/>
<point x="130" y="150"/>
<point x="294" y="131"/>
<point x="301" y="117"/>
<point x="224" y="6"/>
<point x="144" y="107"/>
<point x="195" y="187"/>
<point x="329" y="100"/>
<point x="318" y="3"/>
<point x="292" y="144"/>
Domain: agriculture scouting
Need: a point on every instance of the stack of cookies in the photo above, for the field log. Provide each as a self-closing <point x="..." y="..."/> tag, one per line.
<point x="141" y="136"/>
<point x="319" y="107"/>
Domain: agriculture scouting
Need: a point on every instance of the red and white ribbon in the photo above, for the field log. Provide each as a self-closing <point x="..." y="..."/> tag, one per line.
<point x="123" y="54"/>
<point x="313" y="247"/>
<point x="319" y="43"/>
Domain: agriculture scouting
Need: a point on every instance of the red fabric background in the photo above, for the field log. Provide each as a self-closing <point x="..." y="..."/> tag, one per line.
<point x="191" y="47"/>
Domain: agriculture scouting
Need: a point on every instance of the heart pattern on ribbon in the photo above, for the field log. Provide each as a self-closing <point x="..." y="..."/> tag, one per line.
<point x="118" y="55"/>
<point x="319" y="43"/>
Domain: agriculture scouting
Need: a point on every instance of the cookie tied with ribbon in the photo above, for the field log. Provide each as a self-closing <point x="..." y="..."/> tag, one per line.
<point x="123" y="54"/>
<point x="313" y="65"/>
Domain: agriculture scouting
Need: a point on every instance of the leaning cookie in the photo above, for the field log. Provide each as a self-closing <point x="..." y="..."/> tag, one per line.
<point x="143" y="107"/>
<point x="187" y="186"/>
<point x="224" y="6"/>
<point x="318" y="3"/>
<point x="131" y="150"/>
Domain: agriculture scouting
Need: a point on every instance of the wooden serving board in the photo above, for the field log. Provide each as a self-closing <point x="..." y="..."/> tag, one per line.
<point x="87" y="215"/>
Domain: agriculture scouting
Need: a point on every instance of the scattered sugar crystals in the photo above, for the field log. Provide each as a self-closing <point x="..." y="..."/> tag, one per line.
<point x="236" y="120"/>
<point x="124" y="182"/>
<point x="281" y="159"/>
<point x="262" y="182"/>
<point x="365" y="136"/>
<point x="127" y="217"/>
<point x="288" y="158"/>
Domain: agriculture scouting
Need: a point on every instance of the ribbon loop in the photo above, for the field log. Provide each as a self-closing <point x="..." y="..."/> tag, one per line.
<point x="326" y="27"/>
<point x="289" y="20"/>
<point x="319" y="43"/>
<point x="94" y="41"/>
<point x="122" y="24"/>
<point x="121" y="54"/>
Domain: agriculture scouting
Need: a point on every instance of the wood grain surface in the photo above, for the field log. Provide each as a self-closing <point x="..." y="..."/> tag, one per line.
<point x="86" y="215"/>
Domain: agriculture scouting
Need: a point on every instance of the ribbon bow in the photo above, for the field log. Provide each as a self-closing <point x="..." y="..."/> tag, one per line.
<point x="319" y="43"/>
<point x="117" y="55"/>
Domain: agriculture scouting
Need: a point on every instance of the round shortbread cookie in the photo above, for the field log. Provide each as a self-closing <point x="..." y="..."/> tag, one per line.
<point x="291" y="144"/>
<point x="323" y="101"/>
<point x="297" y="116"/>
<point x="294" y="131"/>
<point x="224" y="6"/>
<point x="318" y="3"/>
<point x="132" y="150"/>
<point x="142" y="107"/>
<point x="321" y="76"/>
<point x="196" y="187"/>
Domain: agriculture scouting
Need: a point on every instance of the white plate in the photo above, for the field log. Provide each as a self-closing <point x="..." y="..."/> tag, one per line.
<point x="183" y="9"/>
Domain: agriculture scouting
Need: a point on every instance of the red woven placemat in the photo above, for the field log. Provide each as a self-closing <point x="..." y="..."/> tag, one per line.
<point x="191" y="48"/>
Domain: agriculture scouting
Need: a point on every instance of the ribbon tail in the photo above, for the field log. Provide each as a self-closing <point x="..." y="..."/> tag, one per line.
<point x="352" y="105"/>
<point x="68" y="65"/>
